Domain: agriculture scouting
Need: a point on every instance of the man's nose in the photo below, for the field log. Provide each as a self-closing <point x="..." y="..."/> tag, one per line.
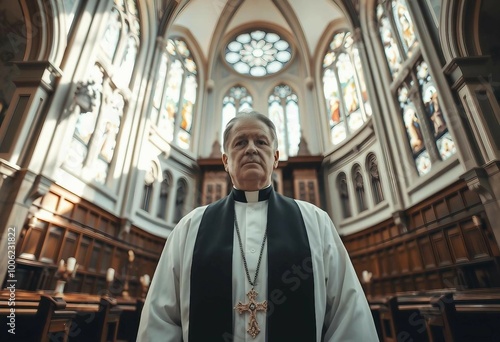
<point x="251" y="147"/>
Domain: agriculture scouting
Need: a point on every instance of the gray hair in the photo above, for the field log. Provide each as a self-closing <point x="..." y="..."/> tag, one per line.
<point x="250" y="115"/>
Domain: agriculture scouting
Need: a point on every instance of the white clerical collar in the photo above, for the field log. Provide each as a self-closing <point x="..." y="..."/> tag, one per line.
<point x="252" y="196"/>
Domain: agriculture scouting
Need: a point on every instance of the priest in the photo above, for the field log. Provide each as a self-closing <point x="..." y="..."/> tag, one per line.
<point x="255" y="265"/>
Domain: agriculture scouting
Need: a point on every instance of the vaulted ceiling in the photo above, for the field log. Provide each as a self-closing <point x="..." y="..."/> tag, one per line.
<point x="300" y="18"/>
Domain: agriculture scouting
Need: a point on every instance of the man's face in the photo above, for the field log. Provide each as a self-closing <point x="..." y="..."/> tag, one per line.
<point x="250" y="157"/>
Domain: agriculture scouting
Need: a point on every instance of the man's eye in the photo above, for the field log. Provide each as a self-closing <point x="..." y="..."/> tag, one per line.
<point x="239" y="143"/>
<point x="262" y="142"/>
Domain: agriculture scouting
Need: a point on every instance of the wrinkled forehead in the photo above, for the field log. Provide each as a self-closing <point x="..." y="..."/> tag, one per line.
<point x="250" y="128"/>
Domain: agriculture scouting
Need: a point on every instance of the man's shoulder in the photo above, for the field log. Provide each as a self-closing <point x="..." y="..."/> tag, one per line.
<point x="303" y="205"/>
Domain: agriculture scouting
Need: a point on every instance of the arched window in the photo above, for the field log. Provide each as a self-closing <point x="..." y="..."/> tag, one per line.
<point x="427" y="133"/>
<point x="237" y="99"/>
<point x="180" y="200"/>
<point x="120" y="42"/>
<point x="344" y="87"/>
<point x="359" y="188"/>
<point x="284" y="112"/>
<point x="175" y="93"/>
<point x="378" y="195"/>
<point x="100" y="98"/>
<point x="344" y="195"/>
<point x="165" y="189"/>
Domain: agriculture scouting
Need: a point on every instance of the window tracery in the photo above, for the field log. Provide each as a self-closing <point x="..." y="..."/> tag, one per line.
<point x="99" y="123"/>
<point x="344" y="87"/>
<point x="258" y="53"/>
<point x="175" y="95"/>
<point x="428" y="138"/>
<point x="283" y="110"/>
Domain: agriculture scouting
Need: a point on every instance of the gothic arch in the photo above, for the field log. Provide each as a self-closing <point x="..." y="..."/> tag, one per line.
<point x="463" y="25"/>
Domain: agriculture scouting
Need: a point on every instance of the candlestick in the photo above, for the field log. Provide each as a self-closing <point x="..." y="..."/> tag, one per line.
<point x="65" y="272"/>
<point x="128" y="270"/>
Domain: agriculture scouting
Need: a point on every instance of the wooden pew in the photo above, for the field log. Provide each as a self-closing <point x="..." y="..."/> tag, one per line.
<point x="400" y="316"/>
<point x="441" y="315"/>
<point x="130" y="318"/>
<point x="100" y="324"/>
<point x="35" y="317"/>
<point x="472" y="315"/>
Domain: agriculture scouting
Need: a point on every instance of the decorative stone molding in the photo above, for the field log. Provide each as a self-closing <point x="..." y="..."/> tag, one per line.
<point x="477" y="180"/>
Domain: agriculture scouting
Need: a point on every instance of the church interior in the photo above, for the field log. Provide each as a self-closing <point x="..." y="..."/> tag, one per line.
<point x="111" y="122"/>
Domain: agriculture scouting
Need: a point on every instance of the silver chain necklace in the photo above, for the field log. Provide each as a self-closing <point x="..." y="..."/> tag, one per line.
<point x="243" y="253"/>
<point x="252" y="306"/>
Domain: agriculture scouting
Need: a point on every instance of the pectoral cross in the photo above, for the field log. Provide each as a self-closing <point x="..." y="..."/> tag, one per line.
<point x="252" y="307"/>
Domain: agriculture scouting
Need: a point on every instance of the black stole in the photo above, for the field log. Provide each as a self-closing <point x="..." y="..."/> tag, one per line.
<point x="291" y="315"/>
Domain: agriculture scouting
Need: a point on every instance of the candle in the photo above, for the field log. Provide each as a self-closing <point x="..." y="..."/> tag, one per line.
<point x="110" y="274"/>
<point x="60" y="269"/>
<point x="146" y="279"/>
<point x="70" y="267"/>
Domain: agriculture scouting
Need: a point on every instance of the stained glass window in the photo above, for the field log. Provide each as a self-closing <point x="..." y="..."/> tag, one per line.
<point x="258" y="53"/>
<point x="284" y="112"/>
<point x="236" y="100"/>
<point x="97" y="129"/>
<point x="344" y="87"/>
<point x="176" y="88"/>
<point x="427" y="133"/>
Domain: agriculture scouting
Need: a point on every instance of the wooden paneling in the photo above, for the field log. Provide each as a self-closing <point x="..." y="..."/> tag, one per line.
<point x="475" y="241"/>
<point x="402" y="255"/>
<point x="445" y="245"/>
<point x="427" y="252"/>
<point x="69" y="246"/>
<point x="51" y="245"/>
<point x="414" y="255"/>
<point x="66" y="226"/>
<point x="457" y="245"/>
<point x="443" y="257"/>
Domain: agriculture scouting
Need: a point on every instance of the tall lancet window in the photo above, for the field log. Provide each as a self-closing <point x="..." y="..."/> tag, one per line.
<point x="284" y="112"/>
<point x="237" y="99"/>
<point x="102" y="99"/>
<point x="120" y="42"/>
<point x="344" y="87"/>
<point x="428" y="138"/>
<point x="175" y="94"/>
<point x="343" y="191"/>
<point x="165" y="189"/>
<point x="377" y="193"/>
<point x="359" y="188"/>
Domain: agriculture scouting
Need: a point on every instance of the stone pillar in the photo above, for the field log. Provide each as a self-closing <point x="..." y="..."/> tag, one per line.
<point x="21" y="184"/>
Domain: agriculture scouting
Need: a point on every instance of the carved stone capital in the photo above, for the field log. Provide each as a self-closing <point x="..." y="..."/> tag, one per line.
<point x="477" y="180"/>
<point x="39" y="188"/>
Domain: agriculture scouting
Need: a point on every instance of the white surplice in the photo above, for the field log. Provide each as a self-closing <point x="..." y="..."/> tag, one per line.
<point x="341" y="309"/>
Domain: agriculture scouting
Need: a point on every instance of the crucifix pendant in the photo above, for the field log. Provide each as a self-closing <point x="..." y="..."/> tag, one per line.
<point x="252" y="307"/>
